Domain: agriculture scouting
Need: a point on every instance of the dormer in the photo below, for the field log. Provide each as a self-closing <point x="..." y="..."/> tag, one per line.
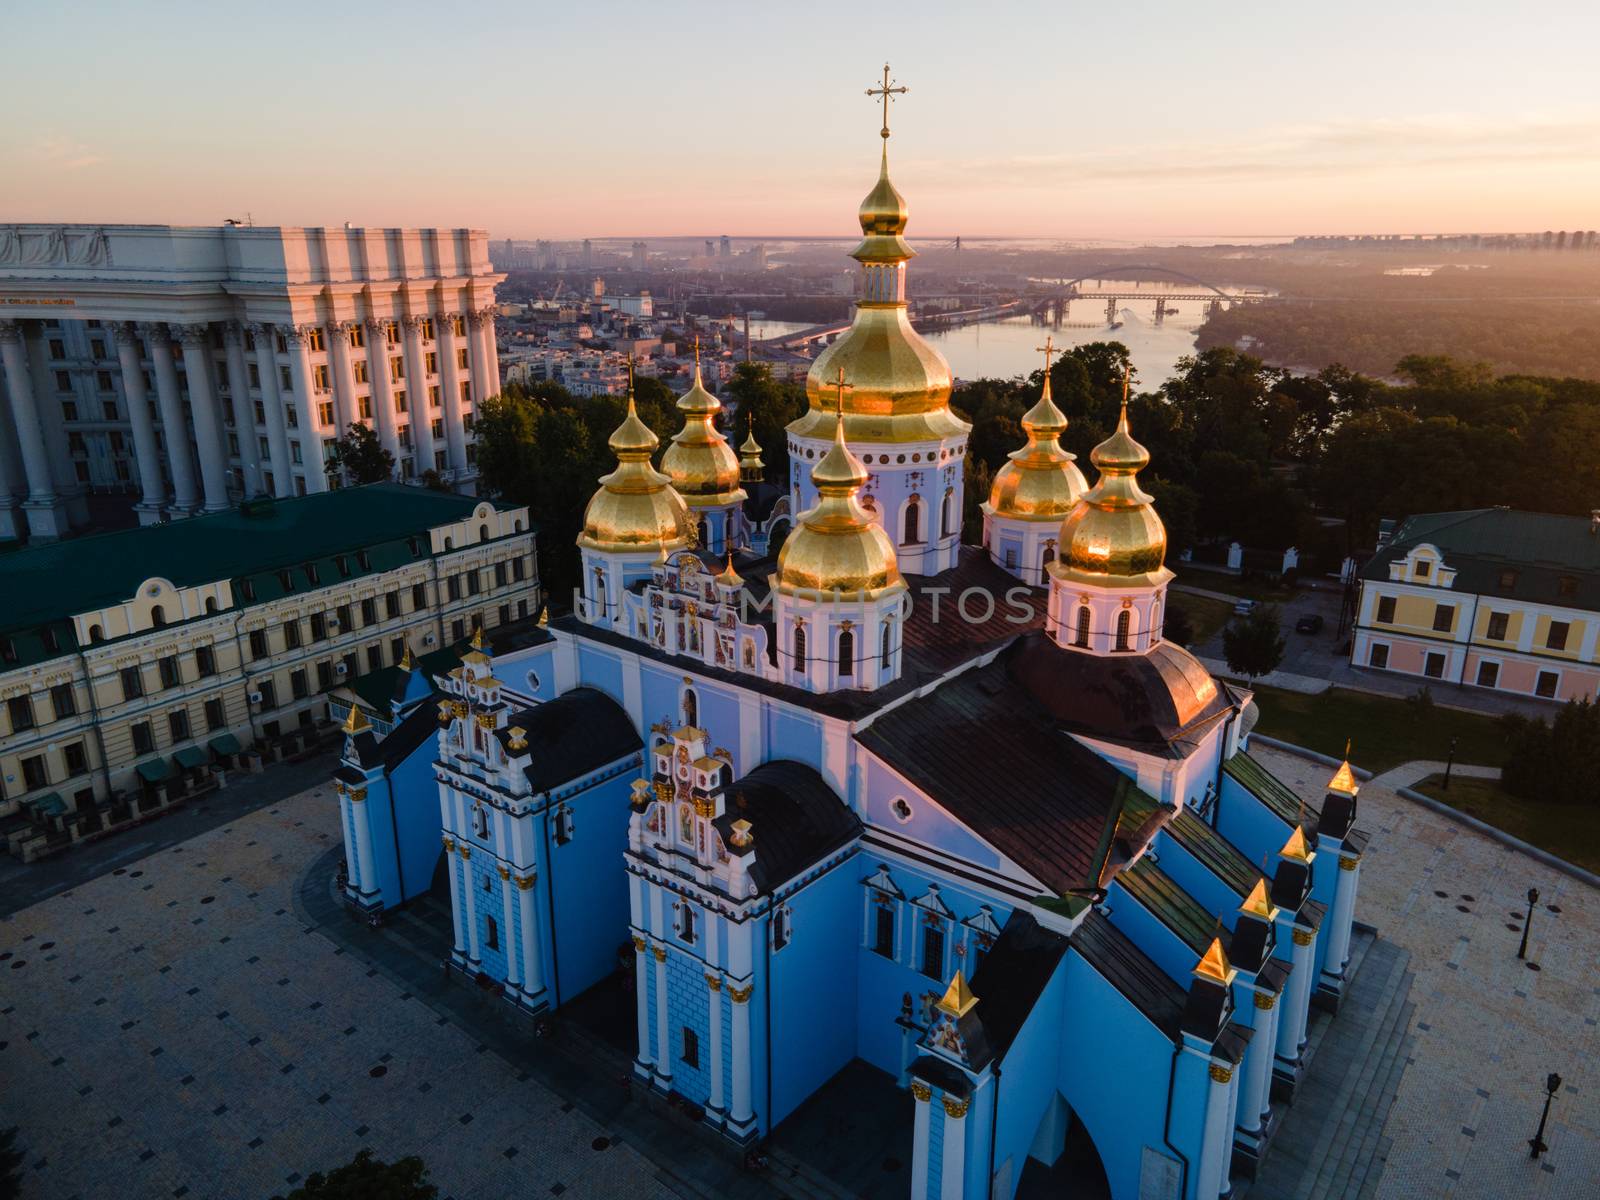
<point x="1424" y="565"/>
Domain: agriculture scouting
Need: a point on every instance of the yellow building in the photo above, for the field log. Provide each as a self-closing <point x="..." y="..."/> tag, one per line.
<point x="131" y="662"/>
<point x="1489" y="598"/>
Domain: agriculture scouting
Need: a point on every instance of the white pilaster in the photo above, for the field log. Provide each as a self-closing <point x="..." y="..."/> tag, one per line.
<point x="472" y="907"/>
<point x="1344" y="908"/>
<point x="742" y="1112"/>
<point x="382" y="386"/>
<point x="1296" y="999"/>
<point x="345" y="410"/>
<point x="923" y="1095"/>
<point x="310" y="439"/>
<point x="641" y="993"/>
<point x="663" y="1017"/>
<point x="953" y="1171"/>
<point x="363" y="871"/>
<point x="507" y="924"/>
<point x="244" y="415"/>
<point x="714" y="999"/>
<point x="444" y="329"/>
<point x="25" y="415"/>
<point x="203" y="410"/>
<point x="153" y="490"/>
<point x="174" y="429"/>
<point x="532" y="968"/>
<point x="1216" y="1148"/>
<point x="485" y="363"/>
<point x="1257" y="1068"/>
<point x="265" y="337"/>
<point x="457" y="916"/>
<point x="417" y="395"/>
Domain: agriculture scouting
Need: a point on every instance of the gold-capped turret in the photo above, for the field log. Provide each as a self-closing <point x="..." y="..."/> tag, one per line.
<point x="1113" y="534"/>
<point x="1343" y="782"/>
<point x="700" y="463"/>
<point x="751" y="468"/>
<point x="356" y="721"/>
<point x="836" y="546"/>
<point x="1258" y="903"/>
<point x="636" y="508"/>
<point x="1042" y="481"/>
<point x="1214" y="965"/>
<point x="1295" y="848"/>
<point x="958" y="999"/>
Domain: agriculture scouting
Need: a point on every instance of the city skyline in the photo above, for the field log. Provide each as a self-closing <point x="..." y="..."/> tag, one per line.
<point x="1263" y="122"/>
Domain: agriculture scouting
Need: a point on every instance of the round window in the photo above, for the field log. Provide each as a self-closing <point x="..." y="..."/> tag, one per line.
<point x="901" y="809"/>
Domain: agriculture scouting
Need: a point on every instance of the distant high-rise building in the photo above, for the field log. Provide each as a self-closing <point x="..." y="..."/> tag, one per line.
<point x="588" y="254"/>
<point x="727" y="246"/>
<point x="759" y="257"/>
<point x="711" y="248"/>
<point x="598" y="287"/>
<point x="638" y="256"/>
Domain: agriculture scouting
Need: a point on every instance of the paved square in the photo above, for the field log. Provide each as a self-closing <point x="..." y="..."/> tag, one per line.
<point x="174" y="1030"/>
<point x="1489" y="1029"/>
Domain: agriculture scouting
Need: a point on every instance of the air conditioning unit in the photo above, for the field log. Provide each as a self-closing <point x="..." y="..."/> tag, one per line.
<point x="341" y="668"/>
<point x="255" y="697"/>
<point x="427" y="639"/>
<point x="333" y="622"/>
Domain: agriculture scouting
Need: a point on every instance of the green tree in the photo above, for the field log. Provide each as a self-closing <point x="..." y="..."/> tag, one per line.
<point x="1253" y="645"/>
<point x="1556" y="760"/>
<point x="765" y="407"/>
<point x="10" y="1165"/>
<point x="368" y="1178"/>
<point x="361" y="456"/>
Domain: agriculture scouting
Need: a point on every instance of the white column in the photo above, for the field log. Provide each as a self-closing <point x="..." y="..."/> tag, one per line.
<point x="1344" y="908"/>
<point x="147" y="454"/>
<point x="345" y="410"/>
<point x="456" y="917"/>
<point x="244" y="415"/>
<point x="1297" y="993"/>
<point x="174" y="429"/>
<point x="264" y="337"/>
<point x="417" y="395"/>
<point x="641" y="991"/>
<point x="1216" y="1150"/>
<point x="714" y="998"/>
<point x="472" y="906"/>
<point x="1257" y="1067"/>
<point x="203" y="408"/>
<point x="512" y="976"/>
<point x="953" y="1172"/>
<point x="305" y="403"/>
<point x="742" y="1112"/>
<point x="444" y="326"/>
<point x="382" y="387"/>
<point x="663" y="1017"/>
<point x="532" y="968"/>
<point x="485" y="362"/>
<point x="923" y="1094"/>
<point x="24" y="412"/>
<point x="364" y="870"/>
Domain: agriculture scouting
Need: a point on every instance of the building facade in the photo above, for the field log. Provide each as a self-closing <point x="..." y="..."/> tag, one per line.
<point x="852" y="801"/>
<point x="196" y="366"/>
<point x="131" y="657"/>
<point x="1489" y="598"/>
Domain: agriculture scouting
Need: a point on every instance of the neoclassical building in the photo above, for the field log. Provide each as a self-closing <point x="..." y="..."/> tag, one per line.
<point x="885" y="798"/>
<point x="196" y="366"/>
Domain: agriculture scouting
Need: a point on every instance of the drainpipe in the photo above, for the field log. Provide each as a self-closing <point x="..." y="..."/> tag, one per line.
<point x="1166" y="1127"/>
<point x="1472" y="623"/>
<point x="94" y="711"/>
<point x="550" y="898"/>
<point x="766" y="996"/>
<point x="238" y="645"/>
<point x="394" y="829"/>
<point x="994" y="1123"/>
<point x="1222" y="746"/>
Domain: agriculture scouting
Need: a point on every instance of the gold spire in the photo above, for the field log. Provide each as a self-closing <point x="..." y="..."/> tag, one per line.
<point x="1258" y="903"/>
<point x="836" y="546"/>
<point x="1113" y="535"/>
<point x="1041" y="481"/>
<point x="407" y="663"/>
<point x="636" y="507"/>
<point x="751" y="468"/>
<point x="902" y="384"/>
<point x="700" y="463"/>
<point x="356" y="721"/>
<point x="730" y="577"/>
<point x="1343" y="782"/>
<point x="1296" y="847"/>
<point x="1214" y="965"/>
<point x="477" y="637"/>
<point x="958" y="999"/>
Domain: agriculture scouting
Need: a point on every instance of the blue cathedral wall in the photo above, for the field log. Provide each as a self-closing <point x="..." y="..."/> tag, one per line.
<point x="1147" y="931"/>
<point x="1028" y="1079"/>
<point x="416" y="815"/>
<point x="1194" y="877"/>
<point x="1249" y="824"/>
<point x="588" y="884"/>
<point x="490" y="902"/>
<point x="689" y="1007"/>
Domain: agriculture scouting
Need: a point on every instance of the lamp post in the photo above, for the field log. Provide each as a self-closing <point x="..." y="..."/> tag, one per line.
<point x="1522" y="950"/>
<point x="1449" y="762"/>
<point x="1536" y="1142"/>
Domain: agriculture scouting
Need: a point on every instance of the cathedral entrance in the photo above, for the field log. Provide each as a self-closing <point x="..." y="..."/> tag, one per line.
<point x="1076" y="1172"/>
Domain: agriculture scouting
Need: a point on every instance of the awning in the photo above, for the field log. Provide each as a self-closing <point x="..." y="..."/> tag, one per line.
<point x="154" y="770"/>
<point x="48" y="805"/>
<point x="190" y="757"/>
<point x="225" y="743"/>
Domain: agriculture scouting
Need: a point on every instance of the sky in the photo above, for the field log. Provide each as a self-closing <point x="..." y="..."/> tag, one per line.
<point x="1061" y="119"/>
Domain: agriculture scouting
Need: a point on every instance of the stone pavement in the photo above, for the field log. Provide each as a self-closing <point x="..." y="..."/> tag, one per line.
<point x="1488" y="1027"/>
<point x="173" y="1029"/>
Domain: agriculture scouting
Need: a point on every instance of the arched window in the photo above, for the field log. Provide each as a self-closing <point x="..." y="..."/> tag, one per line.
<point x="96" y="635"/>
<point x="1046" y="557"/>
<point x="799" y="647"/>
<point x="1082" y="638"/>
<point x="1124" y="620"/>
<point x="211" y="604"/>
<point x="1155" y="621"/>
<point x="912" y="531"/>
<point x="449" y="544"/>
<point x="516" y="526"/>
<point x="847" y="652"/>
<point x="703" y="537"/>
<point x="158" y="617"/>
<point x="691" y="708"/>
<point x="947" y="511"/>
<point x="887" y="652"/>
<point x="494" y="934"/>
<point x="483" y="532"/>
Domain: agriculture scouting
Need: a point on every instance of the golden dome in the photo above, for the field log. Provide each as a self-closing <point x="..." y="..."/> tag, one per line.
<point x="883" y="215"/>
<point x="836" y="546"/>
<point x="751" y="468"/>
<point x="1042" y="481"/>
<point x="700" y="463"/>
<point x="1113" y="535"/>
<point x="636" y="507"/>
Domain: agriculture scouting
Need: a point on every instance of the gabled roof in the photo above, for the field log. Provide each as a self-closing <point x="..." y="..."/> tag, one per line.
<point x="1543" y="548"/>
<point x="1131" y="971"/>
<point x="1174" y="907"/>
<point x="796" y="819"/>
<point x="1278" y="798"/>
<point x="577" y="732"/>
<point x="1214" y="852"/>
<point x="1013" y="977"/>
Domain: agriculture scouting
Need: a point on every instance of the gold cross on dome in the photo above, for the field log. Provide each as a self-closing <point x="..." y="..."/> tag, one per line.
<point x="888" y="91"/>
<point x="697" y="349"/>
<point x="1048" y="350"/>
<point x="630" y="374"/>
<point x="841" y="387"/>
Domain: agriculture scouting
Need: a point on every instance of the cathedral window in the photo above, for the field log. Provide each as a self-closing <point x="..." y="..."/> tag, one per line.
<point x="933" y="950"/>
<point x="480" y="822"/>
<point x="977" y="950"/>
<point x="1155" y="621"/>
<point x="912" y="525"/>
<point x="799" y="647"/>
<point x="901" y="809"/>
<point x="564" y="827"/>
<point x="493" y="940"/>
<point x="947" y="517"/>
<point x="488" y="884"/>
<point x="691" y="708"/>
<point x="1124" y="620"/>
<point x="887" y="650"/>
<point x="1046" y="557"/>
<point x="691" y="1047"/>
<point x="686" y="923"/>
<point x="883" y="927"/>
<point x="847" y="652"/>
<point x="1081" y="638"/>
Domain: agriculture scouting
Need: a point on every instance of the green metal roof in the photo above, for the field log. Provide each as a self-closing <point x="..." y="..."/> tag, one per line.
<point x="1280" y="799"/>
<point x="44" y="585"/>
<point x="1214" y="851"/>
<point x="1176" y="908"/>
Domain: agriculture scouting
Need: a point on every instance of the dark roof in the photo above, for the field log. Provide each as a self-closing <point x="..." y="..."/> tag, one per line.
<point x="1161" y="700"/>
<point x="983" y="750"/>
<point x="1013" y="976"/>
<point x="419" y="725"/>
<point x="1279" y="799"/>
<point x="1176" y="908"/>
<point x="1220" y="856"/>
<point x="796" y="819"/>
<point x="936" y="639"/>
<point x="760" y="499"/>
<point x="1479" y="544"/>
<point x="577" y="732"/>
<point x="378" y="689"/>
<point x="1128" y="969"/>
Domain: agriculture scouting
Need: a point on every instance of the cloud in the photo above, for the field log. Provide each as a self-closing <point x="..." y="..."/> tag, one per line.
<point x="65" y="155"/>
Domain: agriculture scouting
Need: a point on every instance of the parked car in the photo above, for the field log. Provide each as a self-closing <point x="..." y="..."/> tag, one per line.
<point x="1244" y="608"/>
<point x="1310" y="623"/>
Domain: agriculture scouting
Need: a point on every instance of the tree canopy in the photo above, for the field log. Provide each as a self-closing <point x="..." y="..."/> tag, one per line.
<point x="362" y="456"/>
<point x="368" y="1178"/>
